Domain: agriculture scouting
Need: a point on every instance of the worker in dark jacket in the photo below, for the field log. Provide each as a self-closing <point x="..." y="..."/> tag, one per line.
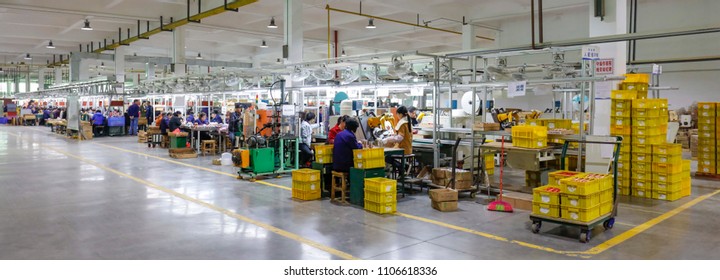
<point x="175" y="122"/>
<point x="163" y="123"/>
<point x="134" y="115"/>
<point x="345" y="143"/>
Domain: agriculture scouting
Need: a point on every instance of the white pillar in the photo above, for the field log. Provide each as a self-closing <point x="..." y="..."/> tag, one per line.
<point x="178" y="59"/>
<point x="120" y="67"/>
<point x="294" y="30"/>
<point x="614" y="22"/>
<point x="83" y="71"/>
<point x="468" y="37"/>
<point x="58" y="76"/>
<point x="41" y="79"/>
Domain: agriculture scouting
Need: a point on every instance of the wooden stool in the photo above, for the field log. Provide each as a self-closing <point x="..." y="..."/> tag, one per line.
<point x="208" y="146"/>
<point x="165" y="141"/>
<point x="342" y="186"/>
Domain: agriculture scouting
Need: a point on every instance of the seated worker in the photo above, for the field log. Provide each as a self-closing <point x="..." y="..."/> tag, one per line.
<point x="97" y="120"/>
<point x="340" y="126"/>
<point x="403" y="135"/>
<point x="216" y="118"/>
<point x="306" y="138"/>
<point x="345" y="143"/>
<point x="159" y="118"/>
<point x="202" y="120"/>
<point x="175" y="122"/>
<point x="163" y="122"/>
<point x="190" y="116"/>
<point x="412" y="112"/>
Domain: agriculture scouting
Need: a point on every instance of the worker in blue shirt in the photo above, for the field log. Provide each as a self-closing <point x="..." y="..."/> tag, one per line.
<point x="134" y="114"/>
<point x="216" y="118"/>
<point x="345" y="143"/>
<point x="201" y="120"/>
<point x="190" y="117"/>
<point x="97" y="120"/>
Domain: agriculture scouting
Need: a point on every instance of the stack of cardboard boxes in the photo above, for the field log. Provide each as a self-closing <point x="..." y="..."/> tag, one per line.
<point x="443" y="177"/>
<point x="444" y="200"/>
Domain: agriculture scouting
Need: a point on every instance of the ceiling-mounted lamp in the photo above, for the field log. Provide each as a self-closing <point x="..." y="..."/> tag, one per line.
<point x="50" y="45"/>
<point x="371" y="24"/>
<point x="264" y="44"/>
<point x="86" y="26"/>
<point x="199" y="56"/>
<point x="343" y="53"/>
<point x="27" y="57"/>
<point x="272" y="23"/>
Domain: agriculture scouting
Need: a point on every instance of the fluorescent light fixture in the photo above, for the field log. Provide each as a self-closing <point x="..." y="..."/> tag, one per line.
<point x="371" y="24"/>
<point x="199" y="56"/>
<point x="27" y="57"/>
<point x="272" y="23"/>
<point x="87" y="25"/>
<point x="50" y="45"/>
<point x="264" y="44"/>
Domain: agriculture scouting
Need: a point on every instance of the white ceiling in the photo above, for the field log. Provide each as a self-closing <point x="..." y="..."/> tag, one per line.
<point x="28" y="25"/>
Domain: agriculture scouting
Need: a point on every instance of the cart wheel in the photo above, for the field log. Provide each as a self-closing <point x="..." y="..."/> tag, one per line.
<point x="609" y="223"/>
<point x="473" y="194"/>
<point x="585" y="236"/>
<point x="148" y="145"/>
<point x="535" y="228"/>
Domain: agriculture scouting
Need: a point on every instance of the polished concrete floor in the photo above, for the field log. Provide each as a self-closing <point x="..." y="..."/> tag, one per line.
<point x="113" y="198"/>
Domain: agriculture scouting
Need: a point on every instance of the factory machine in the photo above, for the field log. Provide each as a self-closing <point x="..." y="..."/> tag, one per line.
<point x="270" y="139"/>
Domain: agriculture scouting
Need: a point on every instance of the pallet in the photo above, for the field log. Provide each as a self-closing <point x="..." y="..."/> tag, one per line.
<point x="183" y="156"/>
<point x="710" y="176"/>
<point x="181" y="153"/>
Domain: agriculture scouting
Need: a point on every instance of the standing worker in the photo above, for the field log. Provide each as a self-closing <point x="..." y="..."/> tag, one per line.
<point x="234" y="122"/>
<point x="306" y="138"/>
<point x="345" y="143"/>
<point x="149" y="112"/>
<point x="134" y="114"/>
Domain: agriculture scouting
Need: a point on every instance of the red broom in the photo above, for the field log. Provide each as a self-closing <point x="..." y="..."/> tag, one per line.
<point x="499" y="205"/>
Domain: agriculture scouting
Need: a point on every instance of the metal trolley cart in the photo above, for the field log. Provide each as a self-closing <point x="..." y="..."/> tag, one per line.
<point x="607" y="220"/>
<point x="154" y="137"/>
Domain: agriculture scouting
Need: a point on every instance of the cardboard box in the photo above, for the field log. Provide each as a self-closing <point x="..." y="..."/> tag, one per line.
<point x="445" y="206"/>
<point x="439" y="173"/>
<point x="461" y="175"/>
<point x="486" y="126"/>
<point x="425" y="173"/>
<point x="441" y="195"/>
<point x="463" y="185"/>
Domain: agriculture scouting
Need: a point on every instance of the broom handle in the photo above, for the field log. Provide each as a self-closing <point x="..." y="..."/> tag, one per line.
<point x="502" y="162"/>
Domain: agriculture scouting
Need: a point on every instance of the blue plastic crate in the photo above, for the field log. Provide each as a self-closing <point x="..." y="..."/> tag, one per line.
<point x="116" y="121"/>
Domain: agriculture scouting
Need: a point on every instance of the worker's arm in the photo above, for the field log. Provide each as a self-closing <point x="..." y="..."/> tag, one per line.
<point x="392" y="140"/>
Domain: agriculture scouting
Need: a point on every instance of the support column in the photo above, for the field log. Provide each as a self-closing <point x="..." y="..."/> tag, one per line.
<point x="294" y="30"/>
<point x="78" y="69"/>
<point x="178" y="59"/>
<point x="120" y="67"/>
<point x="41" y="79"/>
<point x="58" y="76"/>
<point x="27" y="81"/>
<point x="468" y="37"/>
<point x="614" y="22"/>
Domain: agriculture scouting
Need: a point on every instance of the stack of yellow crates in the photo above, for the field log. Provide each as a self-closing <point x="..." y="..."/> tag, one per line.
<point x="621" y="125"/>
<point x="380" y="195"/>
<point x="668" y="172"/>
<point x="529" y="136"/>
<point x="707" y="138"/>
<point x="306" y="184"/>
<point x="324" y="154"/>
<point x="648" y="128"/>
<point x="581" y="197"/>
<point x="369" y="158"/>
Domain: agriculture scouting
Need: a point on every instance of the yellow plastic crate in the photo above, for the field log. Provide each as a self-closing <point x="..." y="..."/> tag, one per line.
<point x="370" y="153"/>
<point x="648" y="131"/>
<point x="641" y="88"/>
<point x="541" y="195"/>
<point x="623" y="121"/>
<point x="531" y="143"/>
<point x="667" y="177"/>
<point x="648" y="140"/>
<point x="606" y="182"/>
<point x="642" y="192"/>
<point x="606" y="208"/>
<point x="667" y="149"/>
<point x="667" y="168"/>
<point x="527" y="131"/>
<point x="686" y="187"/>
<point x="621" y="104"/>
<point x="640" y="148"/>
<point x="642" y="157"/>
<point x="323" y="150"/>
<point x="620" y="130"/>
<point x="706" y="112"/>
<point x="645" y="121"/>
<point x="625" y="156"/>
<point x="576" y="127"/>
<point x="637" y="78"/>
<point x="606" y="196"/>
<point x="624" y="182"/>
<point x="644" y="104"/>
<point x="641" y="166"/>
<point x="558" y="123"/>
<point x="624" y="164"/>
<point x="305" y="195"/>
<point x="706" y="120"/>
<point x="306" y="186"/>
<point x="549" y="210"/>
<point x="642" y="175"/>
<point x="667" y="186"/>
<point x="623" y="94"/>
<point x="306" y="175"/>
<point x="665" y="195"/>
<point x="706" y="168"/>
<point x="705" y="142"/>
<point x="626" y="145"/>
<point x="369" y="163"/>
<point x="701" y="156"/>
<point x="686" y="163"/>
<point x="381" y="208"/>
<point x="621" y="113"/>
<point x="580" y="201"/>
<point x="579" y="186"/>
<point x="707" y="127"/>
<point x="706" y="148"/>
<point x="647" y="112"/>
<point x="624" y="191"/>
<point x="324" y="159"/>
<point x="535" y="122"/>
<point x="380" y="185"/>
<point x="388" y="197"/>
<point x="707" y="135"/>
<point x="579" y="214"/>
<point x="642" y="184"/>
<point x="674" y="159"/>
<point x="624" y="173"/>
<point x="707" y="162"/>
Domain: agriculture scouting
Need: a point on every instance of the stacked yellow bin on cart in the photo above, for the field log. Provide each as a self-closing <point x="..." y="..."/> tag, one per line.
<point x="324" y="154"/>
<point x="668" y="172"/>
<point x="380" y="195"/>
<point x="306" y="184"/>
<point x="582" y="197"/>
<point x="546" y="199"/>
<point x="707" y="138"/>
<point x="529" y="136"/>
<point x="369" y="158"/>
<point x="649" y="127"/>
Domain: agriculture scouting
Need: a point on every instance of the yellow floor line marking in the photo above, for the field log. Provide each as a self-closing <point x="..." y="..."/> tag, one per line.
<point x="227" y="212"/>
<point x="190" y="165"/>
<point x="646" y="225"/>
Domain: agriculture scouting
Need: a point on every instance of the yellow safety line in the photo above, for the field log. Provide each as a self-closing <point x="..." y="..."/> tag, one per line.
<point x="646" y="225"/>
<point x="211" y="206"/>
